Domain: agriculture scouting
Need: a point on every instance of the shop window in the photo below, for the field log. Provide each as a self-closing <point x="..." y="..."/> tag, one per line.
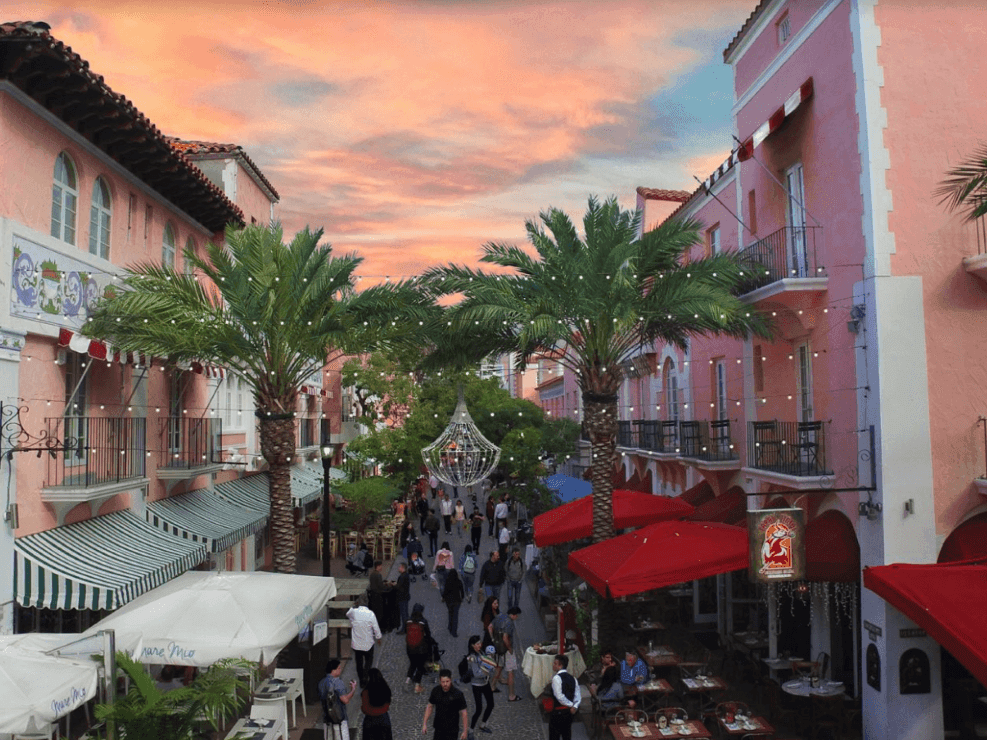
<point x="99" y="220"/>
<point x="64" y="199"/>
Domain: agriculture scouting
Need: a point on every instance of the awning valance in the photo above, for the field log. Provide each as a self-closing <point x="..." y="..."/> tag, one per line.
<point x="202" y="516"/>
<point x="660" y="555"/>
<point x="777" y="118"/>
<point x="730" y="508"/>
<point x="947" y="600"/>
<point x="699" y="494"/>
<point x="105" y="353"/>
<point x="101" y="563"/>
<point x="574" y="520"/>
<point x="831" y="549"/>
<point x="251" y="492"/>
<point x="306" y="484"/>
<point x="312" y="390"/>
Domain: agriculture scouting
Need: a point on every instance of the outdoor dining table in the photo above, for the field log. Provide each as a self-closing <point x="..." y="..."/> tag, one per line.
<point x="538" y="667"/>
<point x="649" y="692"/>
<point x="647" y="626"/>
<point x="276" y="689"/>
<point x="688" y="729"/>
<point x="804" y="687"/>
<point x="659" y="656"/>
<point x="750" y="726"/>
<point x="246" y="728"/>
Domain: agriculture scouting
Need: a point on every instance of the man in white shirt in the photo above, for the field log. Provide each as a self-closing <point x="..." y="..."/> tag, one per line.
<point x="500" y="513"/>
<point x="565" y="696"/>
<point x="364" y="631"/>
<point x="446" y="508"/>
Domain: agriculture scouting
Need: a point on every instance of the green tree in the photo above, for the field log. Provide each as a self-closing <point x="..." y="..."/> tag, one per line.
<point x="383" y="386"/>
<point x="367" y="497"/>
<point x="597" y="299"/>
<point x="559" y="438"/>
<point x="148" y="713"/>
<point x="271" y="313"/>
<point x="966" y="186"/>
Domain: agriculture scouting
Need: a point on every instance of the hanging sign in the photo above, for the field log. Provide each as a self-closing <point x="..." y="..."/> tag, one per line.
<point x="776" y="544"/>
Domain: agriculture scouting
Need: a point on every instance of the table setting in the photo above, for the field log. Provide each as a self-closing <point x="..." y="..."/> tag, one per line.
<point x="274" y="688"/>
<point x="677" y="728"/>
<point x="812" y="687"/>
<point x="742" y="724"/>
<point x="658" y="655"/>
<point x="704" y="683"/>
<point x="253" y="729"/>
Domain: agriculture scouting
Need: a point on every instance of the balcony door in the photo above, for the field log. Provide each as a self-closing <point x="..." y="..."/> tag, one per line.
<point x="175" y="415"/>
<point x="803" y="382"/>
<point x="798" y="263"/>
<point x="672" y="398"/>
<point x="76" y="402"/>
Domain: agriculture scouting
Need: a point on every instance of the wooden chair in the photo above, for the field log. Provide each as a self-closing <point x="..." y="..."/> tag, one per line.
<point x="732" y="707"/>
<point x="822" y="666"/>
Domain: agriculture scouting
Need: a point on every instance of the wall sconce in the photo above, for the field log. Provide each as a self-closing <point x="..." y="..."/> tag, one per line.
<point x="910" y="506"/>
<point x="870" y="509"/>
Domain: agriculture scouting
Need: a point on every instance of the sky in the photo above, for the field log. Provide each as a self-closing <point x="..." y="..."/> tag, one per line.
<point x="415" y="132"/>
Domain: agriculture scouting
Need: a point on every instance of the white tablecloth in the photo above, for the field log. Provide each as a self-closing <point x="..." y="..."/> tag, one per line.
<point x="538" y="668"/>
<point x="800" y="687"/>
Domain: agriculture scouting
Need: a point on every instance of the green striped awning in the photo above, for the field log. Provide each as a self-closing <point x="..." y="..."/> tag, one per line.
<point x="251" y="492"/>
<point x="101" y="563"/>
<point x="306" y="484"/>
<point x="202" y="516"/>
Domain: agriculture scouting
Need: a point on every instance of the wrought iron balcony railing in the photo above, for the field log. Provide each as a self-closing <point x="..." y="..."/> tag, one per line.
<point x="789" y="447"/>
<point x="707" y="440"/>
<point x="625" y="436"/>
<point x="789" y="252"/>
<point x="98" y="450"/>
<point x="190" y="443"/>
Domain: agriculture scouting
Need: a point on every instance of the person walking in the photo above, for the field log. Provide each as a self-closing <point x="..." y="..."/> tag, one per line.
<point x="459" y="518"/>
<point x="476" y="528"/>
<point x="452" y="595"/>
<point x="445" y="506"/>
<point x="417" y="642"/>
<point x="444" y="562"/>
<point x="431" y="528"/>
<point x="565" y="700"/>
<point x="375" y="703"/>
<point x="433" y="483"/>
<point x="364" y="631"/>
<point x="503" y="636"/>
<point x="505" y="543"/>
<point x="480" y="683"/>
<point x="422" y="508"/>
<point x="467" y="572"/>
<point x="491" y="510"/>
<point x="501" y="511"/>
<point x="402" y="593"/>
<point x="449" y="706"/>
<point x="515" y="577"/>
<point x="333" y="684"/>
<point x="491" y="608"/>
<point x="407" y="532"/>
<point x="492" y="575"/>
<point x="380" y="596"/>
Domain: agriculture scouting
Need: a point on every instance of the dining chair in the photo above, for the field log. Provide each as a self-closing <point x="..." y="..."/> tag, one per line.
<point x="296" y="691"/>
<point x="623" y="716"/>
<point x="732" y="707"/>
<point x="671" y="713"/>
<point x="822" y="665"/>
<point x="277" y="712"/>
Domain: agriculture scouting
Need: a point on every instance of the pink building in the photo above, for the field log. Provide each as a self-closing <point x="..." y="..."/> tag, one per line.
<point x="150" y="471"/>
<point x="863" y="410"/>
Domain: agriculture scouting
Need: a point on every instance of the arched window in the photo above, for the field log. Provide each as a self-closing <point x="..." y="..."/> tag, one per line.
<point x="64" y="197"/>
<point x="189" y="247"/>
<point x="99" y="220"/>
<point x="168" y="246"/>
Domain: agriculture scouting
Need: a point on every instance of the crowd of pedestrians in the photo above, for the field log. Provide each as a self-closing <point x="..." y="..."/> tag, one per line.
<point x="488" y="660"/>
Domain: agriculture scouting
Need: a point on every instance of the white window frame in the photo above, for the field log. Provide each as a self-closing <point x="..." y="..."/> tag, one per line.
<point x="798" y="261"/>
<point x="671" y="391"/>
<point x="186" y="265"/>
<point x="803" y="382"/>
<point x="168" y="251"/>
<point x="714" y="241"/>
<point x="100" y="219"/>
<point x="720" y="378"/>
<point x="784" y="28"/>
<point x="64" y="198"/>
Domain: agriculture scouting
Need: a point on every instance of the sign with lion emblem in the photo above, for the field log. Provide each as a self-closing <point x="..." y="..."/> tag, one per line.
<point x="776" y="544"/>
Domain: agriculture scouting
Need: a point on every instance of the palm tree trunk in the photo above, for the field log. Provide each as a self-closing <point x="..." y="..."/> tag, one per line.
<point x="277" y="444"/>
<point x="600" y="414"/>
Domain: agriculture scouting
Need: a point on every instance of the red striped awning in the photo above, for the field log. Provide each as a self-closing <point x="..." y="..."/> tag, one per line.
<point x="312" y="390"/>
<point x="777" y="118"/>
<point x="105" y="353"/>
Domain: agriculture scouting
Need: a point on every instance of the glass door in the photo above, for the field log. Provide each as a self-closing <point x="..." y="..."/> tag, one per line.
<point x="797" y="258"/>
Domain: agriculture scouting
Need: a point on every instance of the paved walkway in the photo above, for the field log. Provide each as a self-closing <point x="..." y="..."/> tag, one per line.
<point x="518" y="720"/>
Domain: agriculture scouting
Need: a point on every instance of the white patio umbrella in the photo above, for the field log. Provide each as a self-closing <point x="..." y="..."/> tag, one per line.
<point x="200" y="618"/>
<point x="36" y="689"/>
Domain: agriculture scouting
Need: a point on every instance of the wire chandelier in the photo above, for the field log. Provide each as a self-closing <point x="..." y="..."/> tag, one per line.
<point x="461" y="456"/>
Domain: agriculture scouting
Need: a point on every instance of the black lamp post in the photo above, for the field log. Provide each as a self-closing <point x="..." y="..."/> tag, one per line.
<point x="327" y="450"/>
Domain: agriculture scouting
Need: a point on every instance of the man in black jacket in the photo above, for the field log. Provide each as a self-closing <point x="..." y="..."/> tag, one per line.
<point x="402" y="591"/>
<point x="492" y="575"/>
<point x="431" y="527"/>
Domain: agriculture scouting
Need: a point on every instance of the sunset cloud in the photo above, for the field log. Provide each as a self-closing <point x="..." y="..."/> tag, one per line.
<point x="414" y="132"/>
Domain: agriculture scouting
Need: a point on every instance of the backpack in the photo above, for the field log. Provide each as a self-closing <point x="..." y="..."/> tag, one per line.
<point x="330" y="706"/>
<point x="414" y="636"/>
<point x="465" y="673"/>
<point x="469" y="564"/>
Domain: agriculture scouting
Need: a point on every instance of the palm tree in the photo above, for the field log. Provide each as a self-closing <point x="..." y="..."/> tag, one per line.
<point x="598" y="300"/>
<point x="270" y="313"/>
<point x="966" y="186"/>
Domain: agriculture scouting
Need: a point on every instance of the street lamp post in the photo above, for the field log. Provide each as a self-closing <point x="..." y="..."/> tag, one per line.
<point x="327" y="450"/>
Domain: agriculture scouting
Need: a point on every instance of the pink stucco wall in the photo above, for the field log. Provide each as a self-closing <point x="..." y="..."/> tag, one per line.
<point x="252" y="200"/>
<point x="935" y="120"/>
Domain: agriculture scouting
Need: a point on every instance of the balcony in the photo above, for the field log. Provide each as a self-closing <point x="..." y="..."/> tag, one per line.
<point x="789" y="453"/>
<point x="787" y="272"/>
<point x="103" y="456"/>
<point x="708" y="445"/>
<point x="192" y="448"/>
<point x="649" y="436"/>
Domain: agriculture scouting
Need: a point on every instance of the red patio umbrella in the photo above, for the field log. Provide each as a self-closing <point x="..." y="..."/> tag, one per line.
<point x="574" y="520"/>
<point x="660" y="555"/>
<point x="699" y="494"/>
<point x="730" y="508"/>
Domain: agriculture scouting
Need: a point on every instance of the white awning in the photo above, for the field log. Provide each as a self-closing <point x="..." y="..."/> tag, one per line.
<point x="101" y="563"/>
<point x="202" y="516"/>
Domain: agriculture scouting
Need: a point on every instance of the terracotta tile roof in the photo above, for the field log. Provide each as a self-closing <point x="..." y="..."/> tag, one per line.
<point x="195" y="150"/>
<point x="675" y="196"/>
<point x="751" y="20"/>
<point x="58" y="79"/>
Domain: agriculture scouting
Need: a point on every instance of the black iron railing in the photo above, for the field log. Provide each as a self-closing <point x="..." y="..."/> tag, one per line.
<point x="189" y="443"/>
<point x="625" y="437"/>
<point x="788" y="447"/>
<point x="789" y="252"/>
<point x="97" y="450"/>
<point x="707" y="440"/>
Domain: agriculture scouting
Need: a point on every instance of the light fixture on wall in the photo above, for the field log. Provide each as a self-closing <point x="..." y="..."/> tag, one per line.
<point x="870" y="509"/>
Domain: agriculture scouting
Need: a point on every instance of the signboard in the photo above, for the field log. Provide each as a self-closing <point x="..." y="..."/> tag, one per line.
<point x="873" y="630"/>
<point x="913" y="632"/>
<point x="776" y="545"/>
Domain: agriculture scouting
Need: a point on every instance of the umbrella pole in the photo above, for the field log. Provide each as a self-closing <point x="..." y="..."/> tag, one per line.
<point x="109" y="676"/>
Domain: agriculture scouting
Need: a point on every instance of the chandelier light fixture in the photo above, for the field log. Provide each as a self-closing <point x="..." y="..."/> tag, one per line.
<point x="461" y="456"/>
